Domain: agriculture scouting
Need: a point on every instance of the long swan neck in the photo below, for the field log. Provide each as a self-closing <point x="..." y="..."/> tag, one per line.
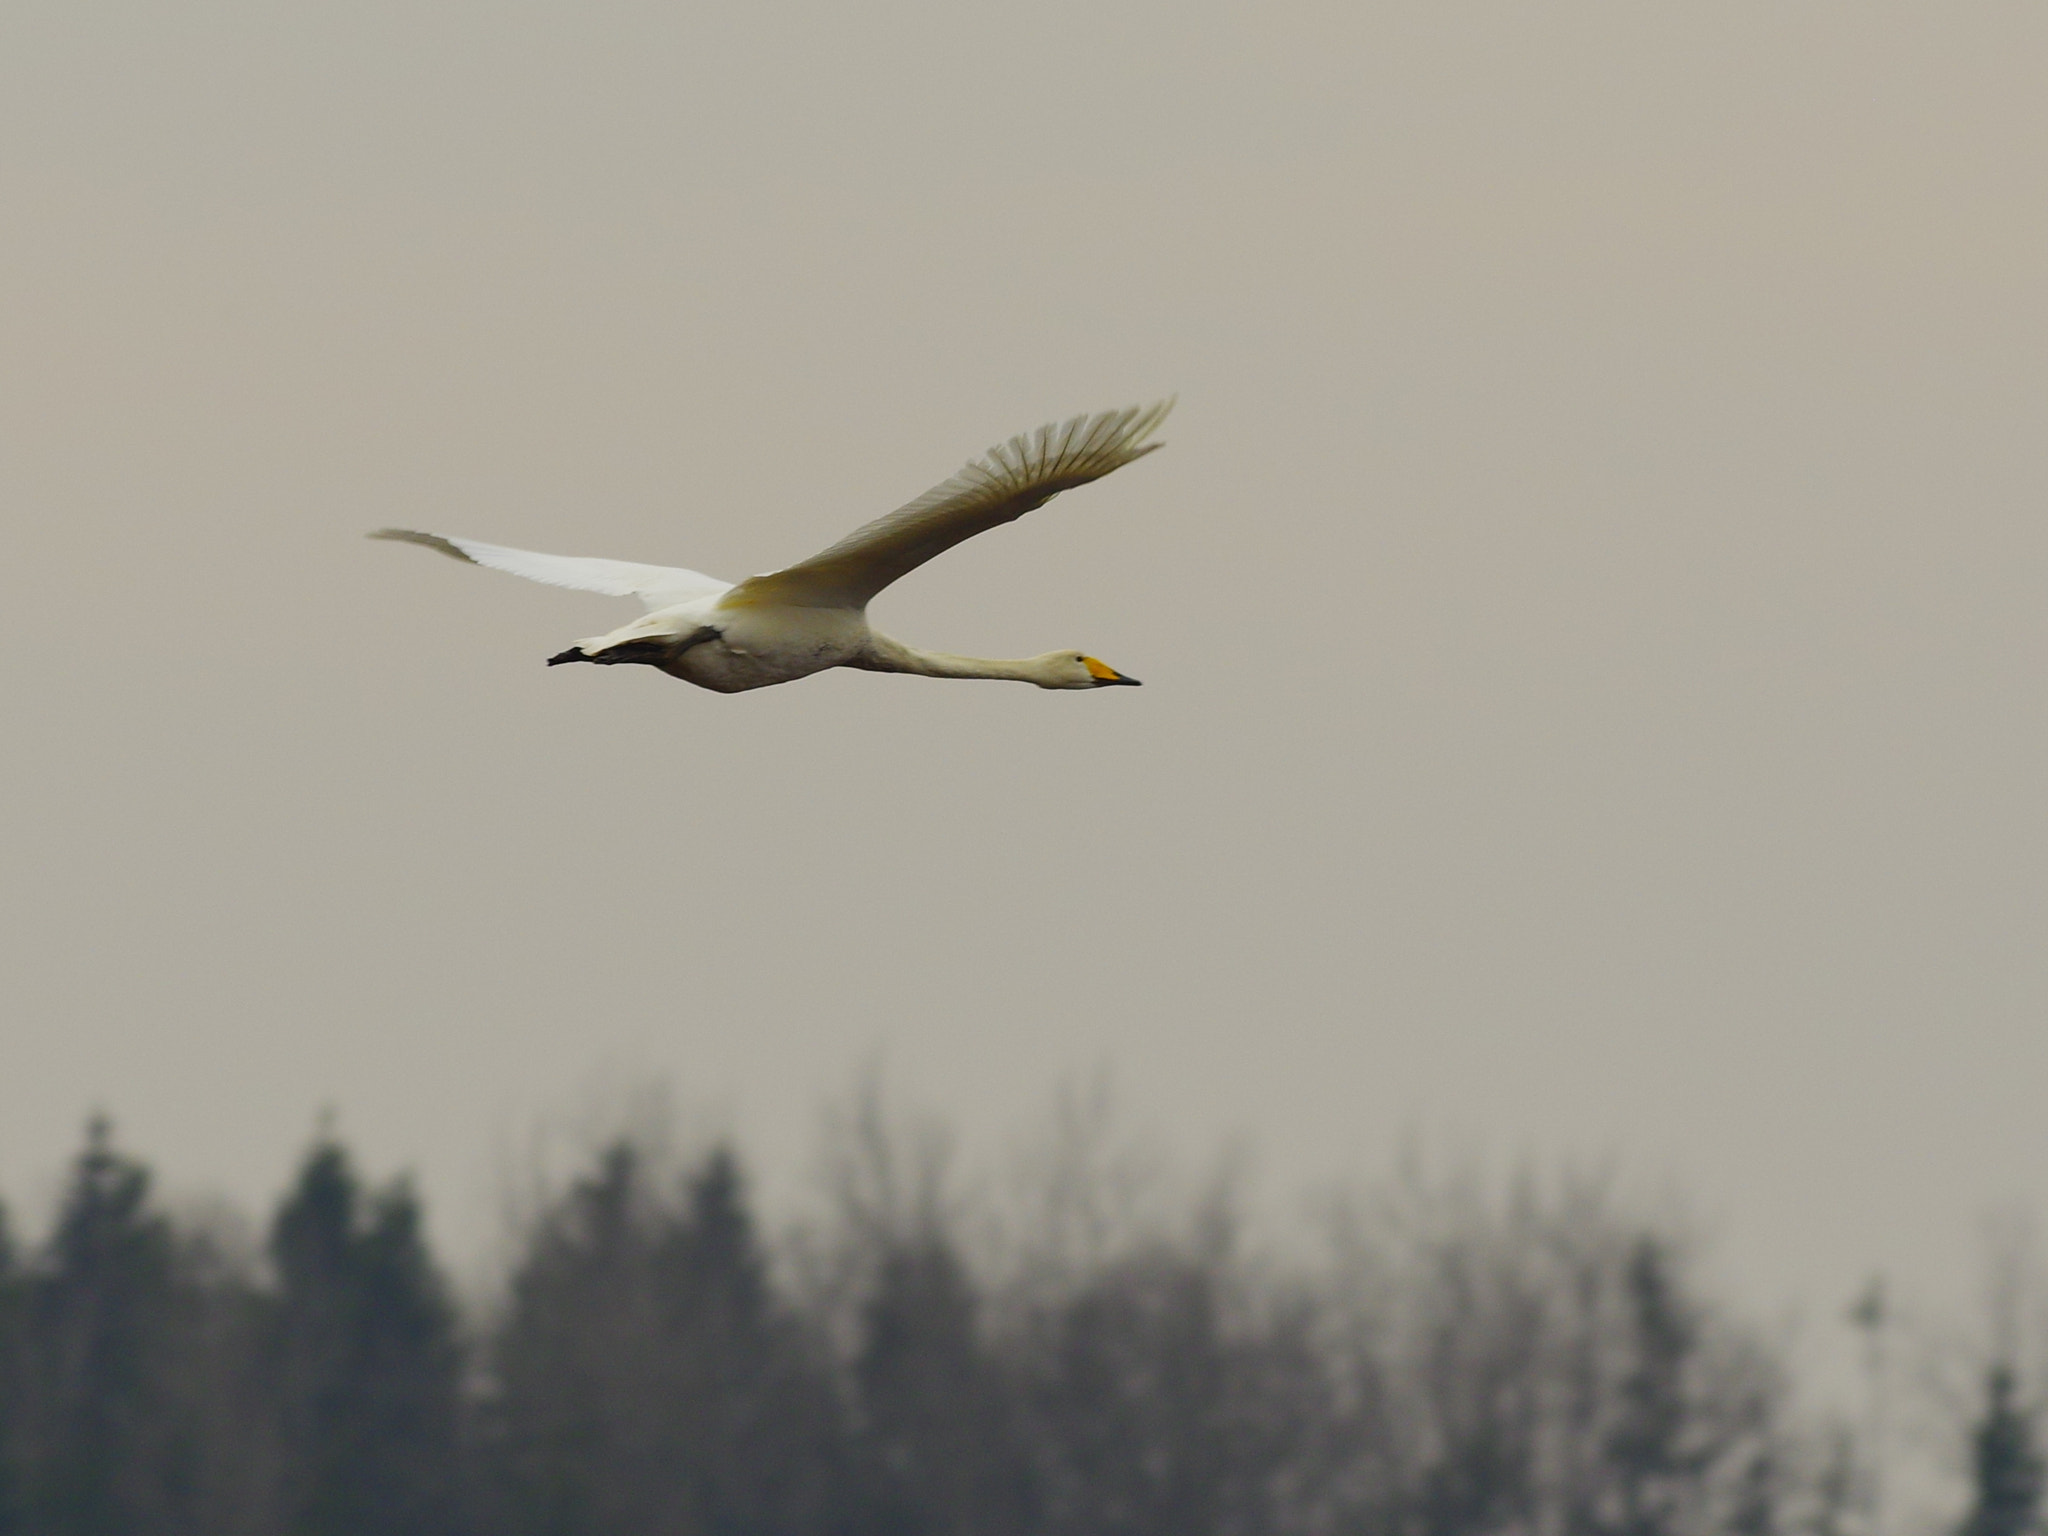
<point x="894" y="656"/>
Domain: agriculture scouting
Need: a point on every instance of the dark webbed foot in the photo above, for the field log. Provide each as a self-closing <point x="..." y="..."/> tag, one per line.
<point x="574" y="653"/>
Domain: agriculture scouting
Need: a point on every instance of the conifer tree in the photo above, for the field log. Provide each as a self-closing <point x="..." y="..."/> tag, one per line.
<point x="940" y="1447"/>
<point x="1648" y="1450"/>
<point x="753" y="1405"/>
<point x="649" y="1381"/>
<point x="105" y="1448"/>
<point x="13" y="1299"/>
<point x="1149" y="1413"/>
<point x="364" y="1360"/>
<point x="2005" y="1463"/>
<point x="567" y="1438"/>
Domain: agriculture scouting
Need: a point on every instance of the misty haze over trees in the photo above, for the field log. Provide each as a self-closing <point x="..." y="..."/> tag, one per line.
<point x="1533" y="1361"/>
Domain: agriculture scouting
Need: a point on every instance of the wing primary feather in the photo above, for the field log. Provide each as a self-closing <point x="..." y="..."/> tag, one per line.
<point x="1075" y="447"/>
<point x="1065" y="445"/>
<point x="1094" y="433"/>
<point x="424" y="540"/>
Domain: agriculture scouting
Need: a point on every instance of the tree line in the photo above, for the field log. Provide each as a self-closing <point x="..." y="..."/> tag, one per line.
<point x="1537" y="1360"/>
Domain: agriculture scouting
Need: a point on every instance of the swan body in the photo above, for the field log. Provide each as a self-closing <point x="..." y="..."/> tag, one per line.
<point x="787" y="624"/>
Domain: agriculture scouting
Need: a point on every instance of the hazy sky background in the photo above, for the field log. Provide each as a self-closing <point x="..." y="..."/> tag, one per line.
<point x="1591" y="607"/>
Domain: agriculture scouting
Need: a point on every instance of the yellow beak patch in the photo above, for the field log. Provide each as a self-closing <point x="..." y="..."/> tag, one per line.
<point x="1101" y="671"/>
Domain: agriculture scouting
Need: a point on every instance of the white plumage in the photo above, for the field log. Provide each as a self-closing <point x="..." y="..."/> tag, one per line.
<point x="813" y="615"/>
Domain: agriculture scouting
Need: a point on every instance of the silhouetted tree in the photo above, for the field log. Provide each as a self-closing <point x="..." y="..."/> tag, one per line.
<point x="13" y="1305"/>
<point x="1482" y="1372"/>
<point x="1690" y="1449"/>
<point x="364" y="1361"/>
<point x="569" y="1436"/>
<point x="108" y="1447"/>
<point x="2005" y="1464"/>
<point x="649" y="1383"/>
<point x="1654" y="1449"/>
<point x="937" y="1418"/>
<point x="1156" y="1407"/>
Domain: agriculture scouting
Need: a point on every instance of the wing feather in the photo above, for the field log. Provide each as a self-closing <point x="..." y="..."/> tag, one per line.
<point x="658" y="586"/>
<point x="1002" y="485"/>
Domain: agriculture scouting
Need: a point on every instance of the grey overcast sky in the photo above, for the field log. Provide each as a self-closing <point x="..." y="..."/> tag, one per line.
<point x="1591" y="606"/>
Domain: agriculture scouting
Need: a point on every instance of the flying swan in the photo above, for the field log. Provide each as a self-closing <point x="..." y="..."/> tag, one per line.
<point x="813" y="615"/>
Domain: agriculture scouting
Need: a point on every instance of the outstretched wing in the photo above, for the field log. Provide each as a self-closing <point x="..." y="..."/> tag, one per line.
<point x="1000" y="487"/>
<point x="658" y="586"/>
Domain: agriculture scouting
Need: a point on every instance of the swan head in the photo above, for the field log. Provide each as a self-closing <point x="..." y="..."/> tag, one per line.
<point x="1072" y="669"/>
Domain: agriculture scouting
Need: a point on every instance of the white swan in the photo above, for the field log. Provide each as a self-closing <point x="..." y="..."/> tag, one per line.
<point x="813" y="615"/>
